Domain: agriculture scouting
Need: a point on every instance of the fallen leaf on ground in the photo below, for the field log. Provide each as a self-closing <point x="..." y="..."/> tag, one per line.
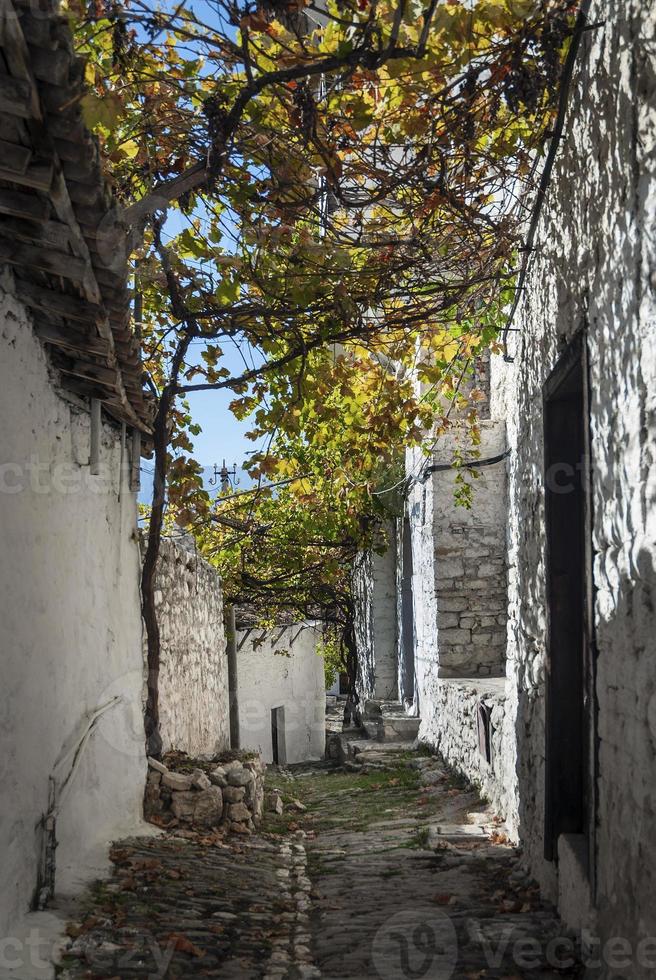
<point x="184" y="945"/>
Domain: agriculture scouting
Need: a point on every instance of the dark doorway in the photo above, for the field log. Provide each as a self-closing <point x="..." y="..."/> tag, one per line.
<point x="407" y="659"/>
<point x="278" y="735"/>
<point x="569" y="696"/>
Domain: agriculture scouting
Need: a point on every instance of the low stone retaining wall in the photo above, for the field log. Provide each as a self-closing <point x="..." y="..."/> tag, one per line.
<point x="450" y="725"/>
<point x="225" y="793"/>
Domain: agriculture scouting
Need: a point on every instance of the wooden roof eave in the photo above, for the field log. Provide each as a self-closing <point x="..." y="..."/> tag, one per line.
<point x="59" y="250"/>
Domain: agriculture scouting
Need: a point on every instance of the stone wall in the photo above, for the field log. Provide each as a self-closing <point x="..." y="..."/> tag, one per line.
<point x="70" y="627"/>
<point x="193" y="680"/>
<point x="458" y="574"/>
<point x="281" y="669"/>
<point x="470" y="560"/>
<point x="594" y="266"/>
<point x="376" y="621"/>
<point x="226" y="793"/>
<point x="450" y="727"/>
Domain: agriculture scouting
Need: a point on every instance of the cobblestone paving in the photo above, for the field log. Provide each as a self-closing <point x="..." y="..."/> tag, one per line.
<point x="412" y="877"/>
<point x="389" y="868"/>
<point x="194" y="908"/>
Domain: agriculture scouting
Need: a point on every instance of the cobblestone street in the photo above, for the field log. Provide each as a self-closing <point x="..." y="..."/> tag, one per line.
<point x="386" y="866"/>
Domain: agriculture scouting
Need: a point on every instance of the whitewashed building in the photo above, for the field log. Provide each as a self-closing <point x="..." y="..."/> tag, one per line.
<point x="281" y="694"/>
<point x="72" y="766"/>
<point x="529" y="632"/>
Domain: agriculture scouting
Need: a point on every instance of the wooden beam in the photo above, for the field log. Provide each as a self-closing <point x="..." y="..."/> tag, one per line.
<point x="14" y="157"/>
<point x="135" y="462"/>
<point x="54" y="302"/>
<point x="15" y="97"/>
<point x="22" y="205"/>
<point x="92" y="372"/>
<point x="71" y="340"/>
<point x="84" y="193"/>
<point x="50" y="66"/>
<point x="38" y="176"/>
<point x="17" y="57"/>
<point x="38" y="30"/>
<point x="42" y="232"/>
<point x="46" y="259"/>
<point x="95" y="437"/>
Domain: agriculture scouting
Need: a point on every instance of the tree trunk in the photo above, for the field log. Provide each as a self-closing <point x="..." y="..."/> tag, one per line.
<point x="149" y="576"/>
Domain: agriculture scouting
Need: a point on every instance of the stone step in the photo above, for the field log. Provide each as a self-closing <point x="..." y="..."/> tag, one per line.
<point x="392" y="728"/>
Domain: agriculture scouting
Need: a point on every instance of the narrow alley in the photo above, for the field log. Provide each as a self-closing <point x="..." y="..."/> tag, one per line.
<point x="385" y="865"/>
<point x="328" y="489"/>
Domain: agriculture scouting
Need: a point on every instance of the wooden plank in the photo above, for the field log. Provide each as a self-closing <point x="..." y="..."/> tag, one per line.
<point x="50" y="300"/>
<point x="74" y="152"/>
<point x="38" y="176"/>
<point x="44" y="232"/>
<point x="14" y="157"/>
<point x="71" y="340"/>
<point x="37" y="30"/>
<point x="81" y="193"/>
<point x="95" y="437"/>
<point x="135" y="462"/>
<point x="50" y="66"/>
<point x="22" y="205"/>
<point x="86" y="170"/>
<point x="92" y="372"/>
<point x="16" y="97"/>
<point x="44" y="258"/>
<point x="17" y="58"/>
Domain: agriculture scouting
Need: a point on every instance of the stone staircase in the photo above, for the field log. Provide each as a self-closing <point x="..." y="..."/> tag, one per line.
<point x="387" y="721"/>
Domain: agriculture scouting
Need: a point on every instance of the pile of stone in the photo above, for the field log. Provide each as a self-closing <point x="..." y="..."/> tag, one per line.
<point x="227" y="794"/>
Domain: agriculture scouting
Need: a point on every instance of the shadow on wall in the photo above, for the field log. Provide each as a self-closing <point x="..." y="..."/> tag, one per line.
<point x="617" y="873"/>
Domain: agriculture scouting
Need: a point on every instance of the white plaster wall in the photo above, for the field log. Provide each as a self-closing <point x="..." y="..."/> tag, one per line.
<point x="282" y="669"/>
<point x="420" y="514"/>
<point x="595" y="260"/>
<point x="70" y="626"/>
<point x="193" y="680"/>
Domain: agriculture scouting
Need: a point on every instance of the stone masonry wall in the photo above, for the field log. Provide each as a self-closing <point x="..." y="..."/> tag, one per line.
<point x="470" y="562"/>
<point x="450" y="727"/>
<point x="595" y="265"/>
<point x="458" y="576"/>
<point x="376" y="626"/>
<point x="193" y="683"/>
<point x="224" y="792"/>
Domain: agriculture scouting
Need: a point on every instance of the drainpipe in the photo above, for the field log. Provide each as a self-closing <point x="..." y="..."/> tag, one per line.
<point x="231" y="637"/>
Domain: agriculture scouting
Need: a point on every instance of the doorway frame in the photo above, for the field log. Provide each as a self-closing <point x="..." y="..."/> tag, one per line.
<point x="278" y="747"/>
<point x="574" y="358"/>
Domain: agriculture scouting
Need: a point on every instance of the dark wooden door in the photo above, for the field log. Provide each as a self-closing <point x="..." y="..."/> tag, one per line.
<point x="278" y="744"/>
<point x="407" y="663"/>
<point x="569" y="695"/>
